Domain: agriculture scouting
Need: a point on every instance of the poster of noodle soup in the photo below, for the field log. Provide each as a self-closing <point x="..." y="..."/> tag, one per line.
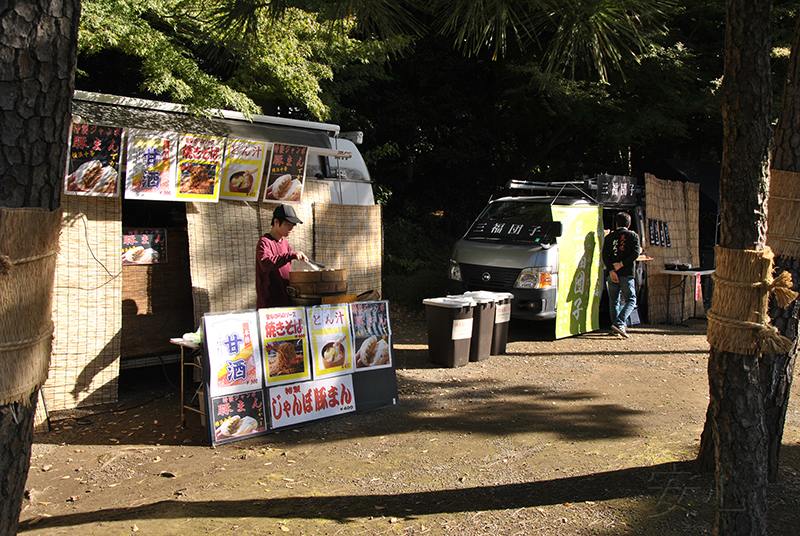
<point x="243" y="169"/>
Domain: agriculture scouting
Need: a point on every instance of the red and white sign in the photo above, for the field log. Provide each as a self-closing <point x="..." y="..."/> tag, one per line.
<point x="309" y="401"/>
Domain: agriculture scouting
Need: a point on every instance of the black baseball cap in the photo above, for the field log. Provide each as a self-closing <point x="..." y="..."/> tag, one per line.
<point x="286" y="212"/>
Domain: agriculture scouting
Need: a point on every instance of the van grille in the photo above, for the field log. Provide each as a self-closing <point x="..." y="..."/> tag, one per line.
<point x="501" y="278"/>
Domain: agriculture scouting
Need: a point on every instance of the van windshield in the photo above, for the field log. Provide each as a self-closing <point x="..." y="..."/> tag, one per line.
<point x="515" y="221"/>
<point x="517" y="210"/>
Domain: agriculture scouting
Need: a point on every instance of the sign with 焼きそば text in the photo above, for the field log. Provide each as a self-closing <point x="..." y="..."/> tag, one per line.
<point x="283" y="334"/>
<point x="93" y="167"/>
<point x="307" y="401"/>
<point x="234" y="352"/>
<point x="287" y="173"/>
<point x="243" y="169"/>
<point x="199" y="163"/>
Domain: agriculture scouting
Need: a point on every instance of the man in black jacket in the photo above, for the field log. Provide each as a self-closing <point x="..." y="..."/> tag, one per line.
<point x="620" y="249"/>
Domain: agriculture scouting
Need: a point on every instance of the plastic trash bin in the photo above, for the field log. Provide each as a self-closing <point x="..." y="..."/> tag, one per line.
<point x="482" y="324"/>
<point x="502" y="316"/>
<point x="449" y="330"/>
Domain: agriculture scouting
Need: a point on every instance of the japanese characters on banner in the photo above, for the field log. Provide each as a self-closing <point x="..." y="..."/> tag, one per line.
<point x="93" y="167"/>
<point x="309" y="401"/>
<point x="234" y="352"/>
<point x="371" y="334"/>
<point x="283" y="333"/>
<point x="287" y="173"/>
<point x="580" y="270"/>
<point x="199" y="162"/>
<point x="329" y="334"/>
<point x="144" y="246"/>
<point x="150" y="170"/>
<point x="168" y="166"/>
<point x="281" y="366"/>
<point x="243" y="169"/>
<point x="238" y="416"/>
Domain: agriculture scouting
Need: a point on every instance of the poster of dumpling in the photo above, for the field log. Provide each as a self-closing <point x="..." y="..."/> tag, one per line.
<point x="243" y="169"/>
<point x="329" y="334"/>
<point x="234" y="352"/>
<point x="238" y="416"/>
<point x="372" y="335"/>
<point x="93" y="167"/>
<point x="199" y="163"/>
<point x="286" y="351"/>
<point x="151" y="165"/>
<point x="287" y="173"/>
<point x="144" y="246"/>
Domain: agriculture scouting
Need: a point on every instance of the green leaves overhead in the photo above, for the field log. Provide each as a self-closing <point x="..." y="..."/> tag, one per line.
<point x="193" y="53"/>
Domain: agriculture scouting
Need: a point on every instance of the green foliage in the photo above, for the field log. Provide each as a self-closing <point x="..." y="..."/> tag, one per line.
<point x="188" y="58"/>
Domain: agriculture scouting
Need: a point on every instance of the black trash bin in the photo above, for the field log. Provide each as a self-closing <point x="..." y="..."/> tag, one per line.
<point x="502" y="316"/>
<point x="482" y="324"/>
<point x="450" y="325"/>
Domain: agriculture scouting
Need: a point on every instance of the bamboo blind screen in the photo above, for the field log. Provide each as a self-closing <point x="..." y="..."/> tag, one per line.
<point x="677" y="204"/>
<point x="84" y="367"/>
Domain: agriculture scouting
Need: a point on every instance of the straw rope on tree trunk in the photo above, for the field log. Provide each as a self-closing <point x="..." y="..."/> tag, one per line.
<point x="738" y="321"/>
<point x="28" y="248"/>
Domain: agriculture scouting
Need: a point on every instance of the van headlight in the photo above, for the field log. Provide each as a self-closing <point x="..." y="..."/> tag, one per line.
<point x="536" y="278"/>
<point x="454" y="270"/>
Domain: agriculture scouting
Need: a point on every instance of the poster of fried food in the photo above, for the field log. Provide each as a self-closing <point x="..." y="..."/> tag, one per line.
<point x="151" y="165"/>
<point x="286" y="352"/>
<point x="330" y="339"/>
<point x="286" y="173"/>
<point x="93" y="167"/>
<point x="372" y="335"/>
<point x="199" y="168"/>
<point x="234" y="352"/>
<point x="243" y="169"/>
<point x="237" y="416"/>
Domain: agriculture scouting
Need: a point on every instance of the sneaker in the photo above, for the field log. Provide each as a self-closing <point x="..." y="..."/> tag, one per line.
<point x="621" y="331"/>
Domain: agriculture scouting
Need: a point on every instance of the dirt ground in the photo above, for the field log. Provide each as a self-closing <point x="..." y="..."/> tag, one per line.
<point x="586" y="435"/>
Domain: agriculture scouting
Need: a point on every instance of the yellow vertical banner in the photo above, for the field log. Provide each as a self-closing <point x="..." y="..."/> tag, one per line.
<point x="580" y="270"/>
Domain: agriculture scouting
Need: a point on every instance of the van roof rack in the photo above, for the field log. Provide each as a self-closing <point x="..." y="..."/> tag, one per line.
<point x="581" y="189"/>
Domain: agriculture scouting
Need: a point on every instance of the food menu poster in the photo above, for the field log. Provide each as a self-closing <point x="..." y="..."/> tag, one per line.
<point x="283" y="334"/>
<point x="286" y="173"/>
<point x="93" y="167"/>
<point x="150" y="165"/>
<point x="371" y="334"/>
<point x="144" y="246"/>
<point x="309" y="401"/>
<point x="329" y="335"/>
<point x="243" y="169"/>
<point x="234" y="352"/>
<point x="238" y="416"/>
<point x="199" y="163"/>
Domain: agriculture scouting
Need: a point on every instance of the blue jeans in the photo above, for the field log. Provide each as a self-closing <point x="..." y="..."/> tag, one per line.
<point x="621" y="311"/>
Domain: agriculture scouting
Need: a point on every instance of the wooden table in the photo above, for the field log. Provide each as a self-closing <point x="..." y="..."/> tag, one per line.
<point x="683" y="274"/>
<point x="188" y="349"/>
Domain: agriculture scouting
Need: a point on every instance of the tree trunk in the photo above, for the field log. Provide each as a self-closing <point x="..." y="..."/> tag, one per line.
<point x="736" y="411"/>
<point x="778" y="370"/>
<point x="38" y="45"/>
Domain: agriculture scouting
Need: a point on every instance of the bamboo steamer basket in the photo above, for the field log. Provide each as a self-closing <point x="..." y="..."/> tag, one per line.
<point x="332" y="281"/>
